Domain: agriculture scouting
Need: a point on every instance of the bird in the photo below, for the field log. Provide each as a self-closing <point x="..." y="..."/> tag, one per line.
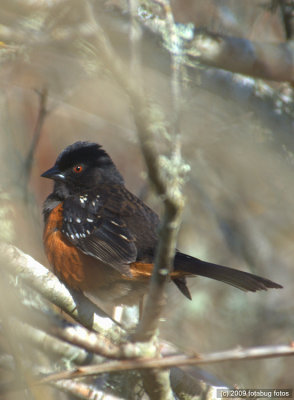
<point x="100" y="239"/>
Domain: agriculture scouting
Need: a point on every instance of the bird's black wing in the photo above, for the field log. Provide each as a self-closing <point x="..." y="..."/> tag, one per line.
<point x="97" y="226"/>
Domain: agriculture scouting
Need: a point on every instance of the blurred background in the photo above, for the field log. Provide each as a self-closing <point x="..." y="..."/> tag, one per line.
<point x="237" y="136"/>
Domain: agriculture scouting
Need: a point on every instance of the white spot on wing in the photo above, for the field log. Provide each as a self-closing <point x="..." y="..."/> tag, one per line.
<point x="114" y="223"/>
<point x="84" y="198"/>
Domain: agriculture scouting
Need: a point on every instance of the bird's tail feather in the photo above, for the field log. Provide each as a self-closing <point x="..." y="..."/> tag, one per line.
<point x="240" y="279"/>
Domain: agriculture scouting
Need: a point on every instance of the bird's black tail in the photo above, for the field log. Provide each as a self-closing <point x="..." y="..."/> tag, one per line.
<point x="240" y="279"/>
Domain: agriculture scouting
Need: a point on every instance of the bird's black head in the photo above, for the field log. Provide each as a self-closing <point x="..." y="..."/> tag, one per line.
<point x="82" y="166"/>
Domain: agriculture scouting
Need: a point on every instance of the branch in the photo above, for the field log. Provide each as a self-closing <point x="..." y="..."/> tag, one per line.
<point x="83" y="390"/>
<point x="43" y="98"/>
<point x="181" y="381"/>
<point x="45" y="283"/>
<point x="93" y="342"/>
<point x="166" y="183"/>
<point x="177" y="360"/>
<point x="256" y="59"/>
<point x="173" y="205"/>
<point x="166" y="176"/>
<point x="54" y="324"/>
<point x="51" y="345"/>
<point x="238" y="55"/>
<point x="157" y="384"/>
<point x="48" y="285"/>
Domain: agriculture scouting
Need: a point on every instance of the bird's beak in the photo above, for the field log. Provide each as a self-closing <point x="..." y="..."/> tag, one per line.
<point x="54" y="173"/>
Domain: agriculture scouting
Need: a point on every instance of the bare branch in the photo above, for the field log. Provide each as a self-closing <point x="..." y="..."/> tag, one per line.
<point x="83" y="390"/>
<point x="239" y="55"/>
<point x="75" y="334"/>
<point x="175" y="45"/>
<point x="177" y="360"/>
<point x="51" y="345"/>
<point x="44" y="282"/>
<point x="166" y="179"/>
<point x="256" y="59"/>
<point x="157" y="384"/>
<point x="166" y="184"/>
<point x="43" y="96"/>
<point x="47" y="284"/>
<point x="54" y="347"/>
<point x="97" y="343"/>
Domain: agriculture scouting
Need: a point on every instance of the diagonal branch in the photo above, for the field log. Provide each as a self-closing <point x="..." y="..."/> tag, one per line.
<point x="38" y="339"/>
<point x="48" y="285"/>
<point x="49" y="344"/>
<point x="74" y="334"/>
<point x="175" y="360"/>
<point x="239" y="55"/>
<point x="44" y="282"/>
<point x="256" y="59"/>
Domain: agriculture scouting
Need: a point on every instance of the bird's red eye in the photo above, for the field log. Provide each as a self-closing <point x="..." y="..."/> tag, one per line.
<point x="77" y="169"/>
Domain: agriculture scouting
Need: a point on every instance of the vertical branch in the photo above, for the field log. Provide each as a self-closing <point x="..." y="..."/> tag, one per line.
<point x="43" y="95"/>
<point x="135" y="36"/>
<point x="173" y="205"/>
<point x="165" y="174"/>
<point x="167" y="185"/>
<point x="157" y="384"/>
<point x="175" y="46"/>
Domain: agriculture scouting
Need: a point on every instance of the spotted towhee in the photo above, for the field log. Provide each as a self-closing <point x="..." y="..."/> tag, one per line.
<point x="100" y="238"/>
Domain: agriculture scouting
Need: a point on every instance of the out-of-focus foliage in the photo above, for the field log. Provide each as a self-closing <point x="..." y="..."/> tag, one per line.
<point x="240" y="209"/>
